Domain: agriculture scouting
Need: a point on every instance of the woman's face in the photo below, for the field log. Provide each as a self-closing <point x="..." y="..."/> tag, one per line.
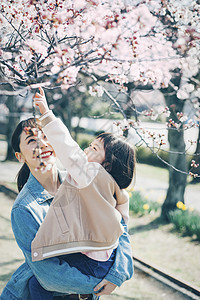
<point x="95" y="152"/>
<point x="28" y="142"/>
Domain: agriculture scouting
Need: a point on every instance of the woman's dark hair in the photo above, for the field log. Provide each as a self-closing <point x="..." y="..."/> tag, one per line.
<point x="24" y="172"/>
<point x="119" y="159"/>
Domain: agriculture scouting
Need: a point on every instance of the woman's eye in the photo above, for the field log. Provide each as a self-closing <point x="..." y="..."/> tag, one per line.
<point x="94" y="148"/>
<point x="31" y="140"/>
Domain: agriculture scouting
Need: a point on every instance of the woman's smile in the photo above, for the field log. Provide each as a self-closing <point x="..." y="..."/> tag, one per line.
<point x="46" y="154"/>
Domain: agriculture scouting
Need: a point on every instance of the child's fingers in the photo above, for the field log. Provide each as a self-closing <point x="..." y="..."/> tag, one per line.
<point x="38" y="96"/>
<point x="38" y="101"/>
<point x="41" y="91"/>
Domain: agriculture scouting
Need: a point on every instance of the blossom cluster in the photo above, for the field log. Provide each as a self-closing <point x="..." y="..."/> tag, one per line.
<point x="55" y="40"/>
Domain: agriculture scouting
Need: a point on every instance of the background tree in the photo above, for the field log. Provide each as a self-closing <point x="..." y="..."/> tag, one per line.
<point x="177" y="156"/>
<point x="126" y="43"/>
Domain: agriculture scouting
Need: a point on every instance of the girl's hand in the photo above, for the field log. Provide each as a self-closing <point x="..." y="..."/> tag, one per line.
<point x="106" y="288"/>
<point x="40" y="100"/>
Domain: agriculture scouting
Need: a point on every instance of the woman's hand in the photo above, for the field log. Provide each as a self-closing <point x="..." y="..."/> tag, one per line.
<point x="106" y="288"/>
<point x="40" y="100"/>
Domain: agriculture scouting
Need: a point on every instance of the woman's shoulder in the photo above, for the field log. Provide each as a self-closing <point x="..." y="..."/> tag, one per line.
<point x="29" y="192"/>
<point x="23" y="198"/>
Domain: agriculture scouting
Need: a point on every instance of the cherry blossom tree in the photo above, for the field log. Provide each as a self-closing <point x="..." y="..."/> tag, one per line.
<point x="180" y="20"/>
<point x="132" y="45"/>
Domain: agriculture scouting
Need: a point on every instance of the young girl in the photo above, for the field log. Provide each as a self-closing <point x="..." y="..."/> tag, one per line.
<point x="92" y="194"/>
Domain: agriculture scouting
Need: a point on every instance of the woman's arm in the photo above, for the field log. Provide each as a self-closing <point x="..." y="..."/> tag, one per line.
<point x="122" y="268"/>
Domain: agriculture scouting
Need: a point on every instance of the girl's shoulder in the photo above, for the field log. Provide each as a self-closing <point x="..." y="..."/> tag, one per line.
<point x="105" y="176"/>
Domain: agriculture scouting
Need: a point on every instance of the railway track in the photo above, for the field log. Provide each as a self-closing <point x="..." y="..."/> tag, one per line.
<point x="186" y="289"/>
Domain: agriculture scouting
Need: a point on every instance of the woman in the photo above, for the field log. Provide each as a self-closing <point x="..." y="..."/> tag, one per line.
<point x="37" y="190"/>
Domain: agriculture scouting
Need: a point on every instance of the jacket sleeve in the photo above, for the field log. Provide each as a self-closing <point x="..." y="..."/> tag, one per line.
<point x="68" y="151"/>
<point x="123" y="268"/>
<point x="123" y="208"/>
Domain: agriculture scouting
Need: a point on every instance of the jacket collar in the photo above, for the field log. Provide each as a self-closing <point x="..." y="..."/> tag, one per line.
<point x="37" y="190"/>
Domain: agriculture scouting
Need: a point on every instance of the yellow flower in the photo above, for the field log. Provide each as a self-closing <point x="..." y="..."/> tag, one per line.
<point x="184" y="207"/>
<point x="146" y="206"/>
<point x="130" y="194"/>
<point x="179" y="204"/>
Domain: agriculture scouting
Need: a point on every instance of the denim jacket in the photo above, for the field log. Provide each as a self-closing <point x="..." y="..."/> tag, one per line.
<point x="54" y="274"/>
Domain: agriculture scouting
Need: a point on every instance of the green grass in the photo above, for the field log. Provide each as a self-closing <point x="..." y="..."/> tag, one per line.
<point x="148" y="171"/>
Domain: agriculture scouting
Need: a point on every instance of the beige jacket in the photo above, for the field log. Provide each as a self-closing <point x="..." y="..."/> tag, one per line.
<point x="83" y="215"/>
<point x="81" y="219"/>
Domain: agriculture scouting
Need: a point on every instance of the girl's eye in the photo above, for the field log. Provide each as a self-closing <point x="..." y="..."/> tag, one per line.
<point x="31" y="140"/>
<point x="93" y="147"/>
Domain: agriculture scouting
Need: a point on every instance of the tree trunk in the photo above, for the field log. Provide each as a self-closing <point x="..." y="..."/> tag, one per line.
<point x="177" y="180"/>
<point x="196" y="157"/>
<point x="13" y="120"/>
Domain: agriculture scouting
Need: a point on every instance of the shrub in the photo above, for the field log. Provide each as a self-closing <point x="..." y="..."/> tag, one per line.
<point x="186" y="222"/>
<point x="145" y="156"/>
<point x="139" y="205"/>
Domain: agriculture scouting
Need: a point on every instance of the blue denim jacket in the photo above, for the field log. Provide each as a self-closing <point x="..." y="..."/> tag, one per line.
<point x="54" y="274"/>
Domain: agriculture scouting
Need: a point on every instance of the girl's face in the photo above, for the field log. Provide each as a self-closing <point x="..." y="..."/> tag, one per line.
<point x="95" y="152"/>
<point x="28" y="142"/>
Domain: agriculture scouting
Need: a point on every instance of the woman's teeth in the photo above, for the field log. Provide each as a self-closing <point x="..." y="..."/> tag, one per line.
<point x="45" y="154"/>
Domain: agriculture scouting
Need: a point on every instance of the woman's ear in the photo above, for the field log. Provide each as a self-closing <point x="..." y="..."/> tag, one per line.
<point x="19" y="157"/>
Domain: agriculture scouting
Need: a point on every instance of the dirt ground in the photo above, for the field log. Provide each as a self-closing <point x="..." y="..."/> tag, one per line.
<point x="151" y="241"/>
<point x="160" y="245"/>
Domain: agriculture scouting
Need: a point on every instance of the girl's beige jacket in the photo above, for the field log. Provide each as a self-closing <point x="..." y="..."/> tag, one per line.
<point x="81" y="219"/>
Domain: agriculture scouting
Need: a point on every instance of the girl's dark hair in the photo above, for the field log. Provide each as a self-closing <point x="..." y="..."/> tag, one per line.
<point x="119" y="159"/>
<point x="24" y="172"/>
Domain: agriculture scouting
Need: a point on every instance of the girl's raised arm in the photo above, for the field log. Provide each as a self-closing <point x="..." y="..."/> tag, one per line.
<point x="67" y="150"/>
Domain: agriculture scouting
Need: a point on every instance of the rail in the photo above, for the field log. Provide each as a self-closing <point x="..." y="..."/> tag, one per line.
<point x="178" y="284"/>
